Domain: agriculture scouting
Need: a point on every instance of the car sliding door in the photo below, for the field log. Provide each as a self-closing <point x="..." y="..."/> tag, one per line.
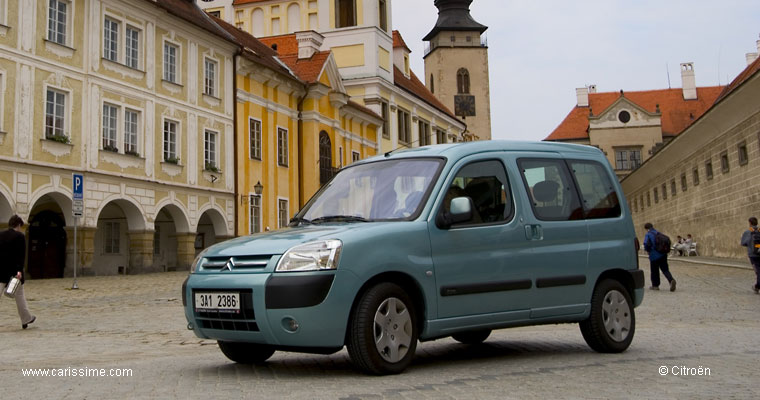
<point x="558" y="237"/>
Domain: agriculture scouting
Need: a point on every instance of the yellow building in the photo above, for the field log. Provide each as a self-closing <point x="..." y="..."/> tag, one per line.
<point x="135" y="95"/>
<point x="372" y="62"/>
<point x="295" y="127"/>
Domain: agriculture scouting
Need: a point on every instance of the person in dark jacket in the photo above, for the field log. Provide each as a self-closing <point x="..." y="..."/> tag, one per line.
<point x="657" y="261"/>
<point x="753" y="258"/>
<point x="13" y="251"/>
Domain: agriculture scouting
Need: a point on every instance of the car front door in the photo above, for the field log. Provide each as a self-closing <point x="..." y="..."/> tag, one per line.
<point x="480" y="267"/>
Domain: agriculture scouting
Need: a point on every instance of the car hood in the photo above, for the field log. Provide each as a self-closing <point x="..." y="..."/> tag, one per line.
<point x="278" y="242"/>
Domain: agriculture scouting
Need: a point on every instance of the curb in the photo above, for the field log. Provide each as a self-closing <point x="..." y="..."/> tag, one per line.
<point x="703" y="262"/>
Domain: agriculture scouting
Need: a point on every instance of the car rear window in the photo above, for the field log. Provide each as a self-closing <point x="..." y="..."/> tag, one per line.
<point x="598" y="194"/>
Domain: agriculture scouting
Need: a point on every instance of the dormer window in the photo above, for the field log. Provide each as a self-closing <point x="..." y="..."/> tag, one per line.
<point x="345" y="13"/>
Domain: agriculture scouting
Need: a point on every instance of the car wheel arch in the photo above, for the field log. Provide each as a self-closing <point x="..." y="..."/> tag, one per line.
<point x="410" y="285"/>
<point x="620" y="275"/>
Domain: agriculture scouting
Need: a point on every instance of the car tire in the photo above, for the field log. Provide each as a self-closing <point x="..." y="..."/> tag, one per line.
<point x="472" y="337"/>
<point x="612" y="323"/>
<point x="246" y="353"/>
<point x="383" y="330"/>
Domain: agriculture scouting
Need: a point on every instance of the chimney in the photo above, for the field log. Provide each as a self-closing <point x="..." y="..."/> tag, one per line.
<point x="751" y="57"/>
<point x="309" y="43"/>
<point x="582" y="94"/>
<point x="688" y="81"/>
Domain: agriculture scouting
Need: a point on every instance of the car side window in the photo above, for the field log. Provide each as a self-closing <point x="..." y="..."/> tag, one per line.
<point x="597" y="191"/>
<point x="551" y="189"/>
<point x="486" y="183"/>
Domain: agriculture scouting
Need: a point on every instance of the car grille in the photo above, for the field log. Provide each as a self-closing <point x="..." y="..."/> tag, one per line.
<point x="243" y="321"/>
<point x="246" y="262"/>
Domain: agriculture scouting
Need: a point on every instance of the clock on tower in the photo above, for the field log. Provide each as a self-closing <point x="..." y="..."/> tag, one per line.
<point x="464" y="105"/>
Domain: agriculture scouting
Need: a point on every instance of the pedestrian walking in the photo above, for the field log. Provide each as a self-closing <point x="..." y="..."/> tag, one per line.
<point x="750" y="237"/>
<point x="658" y="250"/>
<point x="13" y="251"/>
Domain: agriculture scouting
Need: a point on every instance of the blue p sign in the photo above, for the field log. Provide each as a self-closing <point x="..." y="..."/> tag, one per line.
<point x="78" y="187"/>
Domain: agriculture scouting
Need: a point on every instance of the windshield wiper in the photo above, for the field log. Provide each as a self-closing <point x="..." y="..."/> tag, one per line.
<point x="342" y="218"/>
<point x="298" y="221"/>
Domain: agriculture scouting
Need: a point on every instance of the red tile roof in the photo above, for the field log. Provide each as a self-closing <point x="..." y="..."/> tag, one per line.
<point x="677" y="113"/>
<point x="190" y="12"/>
<point x="286" y="44"/>
<point x="748" y="72"/>
<point x="398" y="41"/>
<point x="309" y="69"/>
<point x="255" y="50"/>
<point x="419" y="90"/>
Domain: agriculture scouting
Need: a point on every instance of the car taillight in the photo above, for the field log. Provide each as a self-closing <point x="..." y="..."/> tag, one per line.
<point x="637" y="247"/>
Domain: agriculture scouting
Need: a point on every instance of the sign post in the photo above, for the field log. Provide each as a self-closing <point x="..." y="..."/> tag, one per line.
<point x="77" y="208"/>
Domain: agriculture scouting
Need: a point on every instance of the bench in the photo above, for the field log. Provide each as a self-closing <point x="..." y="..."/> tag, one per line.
<point x="691" y="250"/>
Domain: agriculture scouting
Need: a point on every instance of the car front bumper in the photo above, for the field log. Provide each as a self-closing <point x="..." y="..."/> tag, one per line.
<point x="293" y="310"/>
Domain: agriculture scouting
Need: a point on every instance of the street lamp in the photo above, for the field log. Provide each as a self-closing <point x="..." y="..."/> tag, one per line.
<point x="258" y="188"/>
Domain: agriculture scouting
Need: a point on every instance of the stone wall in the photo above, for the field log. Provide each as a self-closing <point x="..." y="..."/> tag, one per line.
<point x="714" y="210"/>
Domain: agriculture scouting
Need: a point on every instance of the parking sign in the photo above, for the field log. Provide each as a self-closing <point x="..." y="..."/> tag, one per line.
<point x="78" y="187"/>
<point x="77" y="206"/>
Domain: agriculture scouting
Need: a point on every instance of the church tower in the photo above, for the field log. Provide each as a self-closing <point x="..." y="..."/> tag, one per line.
<point x="456" y="66"/>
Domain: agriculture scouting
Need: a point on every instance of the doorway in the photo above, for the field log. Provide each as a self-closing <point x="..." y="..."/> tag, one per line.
<point x="47" y="245"/>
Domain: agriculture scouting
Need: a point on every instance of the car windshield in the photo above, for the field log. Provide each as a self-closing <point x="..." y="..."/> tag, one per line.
<point x="384" y="190"/>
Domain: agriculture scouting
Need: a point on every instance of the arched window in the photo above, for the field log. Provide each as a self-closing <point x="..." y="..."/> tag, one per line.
<point x="257" y="23"/>
<point x="432" y="85"/>
<point x="294" y="18"/>
<point x="463" y="81"/>
<point x="326" y="171"/>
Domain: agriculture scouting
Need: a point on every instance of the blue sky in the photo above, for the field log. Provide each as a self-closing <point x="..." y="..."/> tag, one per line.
<point x="541" y="50"/>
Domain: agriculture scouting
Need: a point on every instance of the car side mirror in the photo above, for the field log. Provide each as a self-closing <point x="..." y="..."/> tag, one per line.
<point x="460" y="211"/>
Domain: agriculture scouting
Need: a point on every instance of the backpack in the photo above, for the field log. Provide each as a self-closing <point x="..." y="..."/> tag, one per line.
<point x="662" y="243"/>
<point x="754" y="241"/>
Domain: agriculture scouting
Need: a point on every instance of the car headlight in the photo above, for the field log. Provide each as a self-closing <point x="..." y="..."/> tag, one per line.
<point x="194" y="265"/>
<point x="314" y="256"/>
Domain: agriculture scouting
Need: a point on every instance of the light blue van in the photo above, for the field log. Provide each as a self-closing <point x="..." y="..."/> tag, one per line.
<point x="448" y="240"/>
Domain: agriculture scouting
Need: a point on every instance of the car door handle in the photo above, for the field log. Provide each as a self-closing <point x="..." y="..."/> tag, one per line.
<point x="534" y="232"/>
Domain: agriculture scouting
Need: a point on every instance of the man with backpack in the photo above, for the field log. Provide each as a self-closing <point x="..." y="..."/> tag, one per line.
<point x="751" y="240"/>
<point x="658" y="246"/>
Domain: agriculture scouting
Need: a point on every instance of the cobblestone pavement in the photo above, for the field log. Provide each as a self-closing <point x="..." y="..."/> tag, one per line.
<point x="137" y="323"/>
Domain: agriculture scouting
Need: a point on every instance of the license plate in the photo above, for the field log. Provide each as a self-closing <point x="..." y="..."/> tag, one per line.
<point x="217" y="301"/>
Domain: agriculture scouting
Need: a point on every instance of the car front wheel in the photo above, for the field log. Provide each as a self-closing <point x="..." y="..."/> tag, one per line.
<point x="612" y="322"/>
<point x="246" y="353"/>
<point x="383" y="330"/>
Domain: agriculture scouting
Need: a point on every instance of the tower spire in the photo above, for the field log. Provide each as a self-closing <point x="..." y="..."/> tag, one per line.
<point x="454" y="15"/>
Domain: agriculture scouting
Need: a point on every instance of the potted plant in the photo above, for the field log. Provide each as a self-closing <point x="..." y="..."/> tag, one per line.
<point x="59" y="138"/>
<point x="211" y="167"/>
